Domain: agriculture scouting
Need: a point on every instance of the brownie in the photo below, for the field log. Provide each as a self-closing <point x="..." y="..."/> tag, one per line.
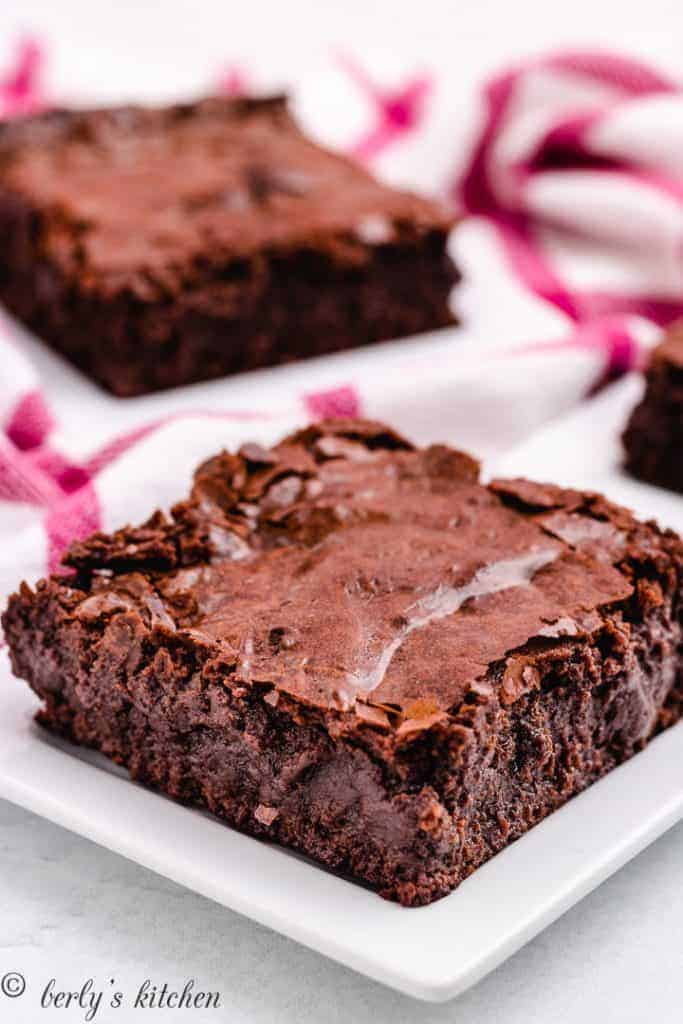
<point x="653" y="439"/>
<point x="156" y="247"/>
<point x="351" y="646"/>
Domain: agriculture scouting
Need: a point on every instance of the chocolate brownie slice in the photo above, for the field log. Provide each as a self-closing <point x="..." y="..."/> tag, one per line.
<point x="653" y="439"/>
<point x="155" y="247"/>
<point x="353" y="647"/>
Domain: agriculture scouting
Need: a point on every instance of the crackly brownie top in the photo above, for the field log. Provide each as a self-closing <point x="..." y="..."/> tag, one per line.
<point x="350" y="569"/>
<point x="143" y="198"/>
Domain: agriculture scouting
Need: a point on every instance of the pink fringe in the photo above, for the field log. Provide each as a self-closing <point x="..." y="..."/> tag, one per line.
<point x="21" y="87"/>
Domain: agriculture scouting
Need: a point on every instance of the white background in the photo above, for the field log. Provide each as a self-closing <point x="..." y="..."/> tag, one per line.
<point x="74" y="911"/>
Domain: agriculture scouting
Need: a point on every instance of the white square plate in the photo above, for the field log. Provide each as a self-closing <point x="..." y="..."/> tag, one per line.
<point x="433" y="952"/>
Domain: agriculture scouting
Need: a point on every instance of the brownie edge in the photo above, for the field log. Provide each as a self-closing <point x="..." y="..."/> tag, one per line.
<point x="350" y="646"/>
<point x="653" y="438"/>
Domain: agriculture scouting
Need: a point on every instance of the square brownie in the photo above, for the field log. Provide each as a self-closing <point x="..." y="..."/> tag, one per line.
<point x="653" y="439"/>
<point x="353" y="647"/>
<point x="156" y="247"/>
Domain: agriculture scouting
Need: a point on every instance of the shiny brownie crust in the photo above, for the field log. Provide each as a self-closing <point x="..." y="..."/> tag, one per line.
<point x="350" y="646"/>
<point x="157" y="247"/>
<point x="653" y="439"/>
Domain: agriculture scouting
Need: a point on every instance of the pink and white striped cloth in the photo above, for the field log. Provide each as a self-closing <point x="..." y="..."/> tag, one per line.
<point x="571" y="181"/>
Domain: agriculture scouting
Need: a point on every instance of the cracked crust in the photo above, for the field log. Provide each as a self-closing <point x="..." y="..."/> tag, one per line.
<point x="529" y="639"/>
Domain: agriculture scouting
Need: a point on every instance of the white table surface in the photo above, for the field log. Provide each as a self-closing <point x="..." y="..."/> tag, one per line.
<point x="71" y="910"/>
